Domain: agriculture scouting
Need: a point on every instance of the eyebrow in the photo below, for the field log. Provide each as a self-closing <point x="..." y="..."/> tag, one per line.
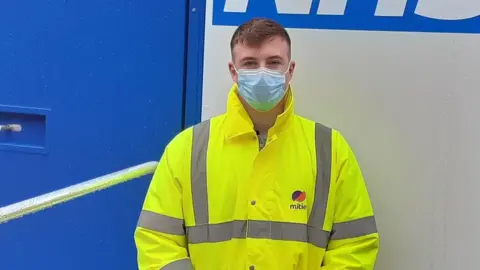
<point x="248" y="58"/>
<point x="275" y="57"/>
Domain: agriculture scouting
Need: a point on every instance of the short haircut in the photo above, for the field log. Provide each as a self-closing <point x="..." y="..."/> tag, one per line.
<point x="258" y="30"/>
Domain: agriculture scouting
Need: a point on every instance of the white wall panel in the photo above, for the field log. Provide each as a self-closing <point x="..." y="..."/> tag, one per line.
<point x="408" y="104"/>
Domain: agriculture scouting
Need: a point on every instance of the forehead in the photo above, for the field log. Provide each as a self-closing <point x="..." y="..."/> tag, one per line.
<point x="275" y="46"/>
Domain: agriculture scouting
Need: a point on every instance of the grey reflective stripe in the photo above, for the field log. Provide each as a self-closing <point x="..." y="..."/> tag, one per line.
<point x="312" y="232"/>
<point x="288" y="232"/>
<point x="323" y="150"/>
<point x="242" y="229"/>
<point x="160" y="223"/>
<point x="354" y="228"/>
<point x="201" y="134"/>
<point x="183" y="264"/>
<point x="216" y="232"/>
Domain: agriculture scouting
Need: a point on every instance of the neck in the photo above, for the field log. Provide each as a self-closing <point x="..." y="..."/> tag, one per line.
<point x="263" y="121"/>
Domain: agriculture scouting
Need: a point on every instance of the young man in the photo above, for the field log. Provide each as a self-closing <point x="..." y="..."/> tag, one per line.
<point x="258" y="187"/>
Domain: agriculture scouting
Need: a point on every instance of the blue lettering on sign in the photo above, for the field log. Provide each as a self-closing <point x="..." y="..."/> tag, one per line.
<point x="442" y="16"/>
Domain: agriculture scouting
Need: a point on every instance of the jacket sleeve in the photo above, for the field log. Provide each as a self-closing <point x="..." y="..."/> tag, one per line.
<point x="160" y="235"/>
<point x="354" y="240"/>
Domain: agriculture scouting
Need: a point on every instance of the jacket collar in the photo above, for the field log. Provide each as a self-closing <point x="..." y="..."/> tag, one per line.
<point x="238" y="123"/>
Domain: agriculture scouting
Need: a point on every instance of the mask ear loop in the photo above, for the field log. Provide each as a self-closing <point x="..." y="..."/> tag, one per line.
<point x="288" y="68"/>
<point x="235" y="68"/>
<point x="285" y="74"/>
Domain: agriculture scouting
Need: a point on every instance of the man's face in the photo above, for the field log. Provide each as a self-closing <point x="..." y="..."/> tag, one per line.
<point x="272" y="54"/>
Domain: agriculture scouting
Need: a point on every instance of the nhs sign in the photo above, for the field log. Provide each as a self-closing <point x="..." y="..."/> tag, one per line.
<point x="444" y="16"/>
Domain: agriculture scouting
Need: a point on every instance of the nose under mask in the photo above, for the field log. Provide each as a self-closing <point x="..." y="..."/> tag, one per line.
<point x="261" y="88"/>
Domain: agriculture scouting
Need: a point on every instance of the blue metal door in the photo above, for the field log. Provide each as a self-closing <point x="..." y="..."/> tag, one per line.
<point x="97" y="86"/>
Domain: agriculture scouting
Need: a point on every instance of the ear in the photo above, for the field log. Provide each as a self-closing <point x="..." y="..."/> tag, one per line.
<point x="290" y="71"/>
<point x="233" y="72"/>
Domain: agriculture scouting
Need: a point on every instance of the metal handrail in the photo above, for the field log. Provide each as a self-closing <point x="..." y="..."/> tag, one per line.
<point x="47" y="200"/>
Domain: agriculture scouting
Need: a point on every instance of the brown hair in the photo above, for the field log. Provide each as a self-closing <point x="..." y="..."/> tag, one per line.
<point x="256" y="31"/>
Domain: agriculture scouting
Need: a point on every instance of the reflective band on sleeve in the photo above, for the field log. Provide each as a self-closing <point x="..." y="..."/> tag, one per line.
<point x="201" y="134"/>
<point x="323" y="149"/>
<point x="241" y="229"/>
<point x="160" y="223"/>
<point x="354" y="228"/>
<point x="184" y="264"/>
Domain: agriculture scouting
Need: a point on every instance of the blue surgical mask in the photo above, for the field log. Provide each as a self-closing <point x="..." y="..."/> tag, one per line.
<point x="261" y="88"/>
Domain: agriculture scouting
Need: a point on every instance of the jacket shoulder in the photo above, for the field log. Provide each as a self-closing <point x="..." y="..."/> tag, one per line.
<point x="325" y="134"/>
<point x="318" y="126"/>
<point x="184" y="139"/>
<point x="178" y="150"/>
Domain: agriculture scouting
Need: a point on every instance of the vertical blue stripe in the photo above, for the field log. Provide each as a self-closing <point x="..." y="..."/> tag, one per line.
<point x="194" y="67"/>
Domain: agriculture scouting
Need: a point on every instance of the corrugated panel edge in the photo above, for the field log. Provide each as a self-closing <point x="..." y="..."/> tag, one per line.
<point x="194" y="63"/>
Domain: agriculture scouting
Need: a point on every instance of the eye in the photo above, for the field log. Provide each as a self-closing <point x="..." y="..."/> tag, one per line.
<point x="249" y="64"/>
<point x="275" y="64"/>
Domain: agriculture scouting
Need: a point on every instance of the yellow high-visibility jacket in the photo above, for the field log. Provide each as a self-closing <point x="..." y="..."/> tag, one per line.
<point x="218" y="201"/>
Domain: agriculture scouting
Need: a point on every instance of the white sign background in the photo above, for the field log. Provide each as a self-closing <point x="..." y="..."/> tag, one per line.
<point x="408" y="105"/>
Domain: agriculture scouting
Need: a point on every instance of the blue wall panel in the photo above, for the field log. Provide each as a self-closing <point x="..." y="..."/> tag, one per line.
<point x="194" y="74"/>
<point x="99" y="87"/>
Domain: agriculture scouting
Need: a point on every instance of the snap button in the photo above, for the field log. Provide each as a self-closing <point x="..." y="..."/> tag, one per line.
<point x="252" y="267"/>
<point x="253" y="202"/>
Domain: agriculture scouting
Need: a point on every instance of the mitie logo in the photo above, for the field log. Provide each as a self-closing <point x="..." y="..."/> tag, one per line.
<point x="449" y="16"/>
<point x="298" y="197"/>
